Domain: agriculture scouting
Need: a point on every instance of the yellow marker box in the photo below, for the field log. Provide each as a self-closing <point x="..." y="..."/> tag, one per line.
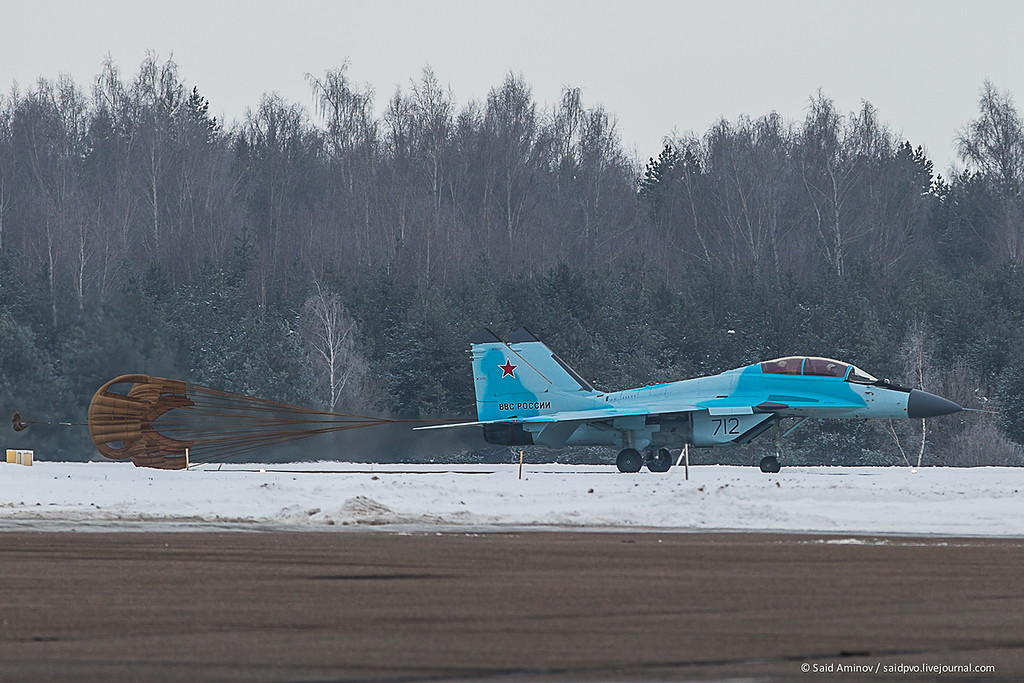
<point x="16" y="457"/>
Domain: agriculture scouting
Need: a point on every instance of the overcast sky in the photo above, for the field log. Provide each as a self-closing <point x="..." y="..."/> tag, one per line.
<point x="657" y="66"/>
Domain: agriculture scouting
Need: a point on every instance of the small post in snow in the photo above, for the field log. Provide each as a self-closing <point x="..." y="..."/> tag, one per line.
<point x="186" y="457"/>
<point x="685" y="453"/>
<point x="520" y="464"/>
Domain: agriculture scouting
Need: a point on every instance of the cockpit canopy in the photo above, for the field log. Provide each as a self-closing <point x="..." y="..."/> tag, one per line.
<point x="816" y="367"/>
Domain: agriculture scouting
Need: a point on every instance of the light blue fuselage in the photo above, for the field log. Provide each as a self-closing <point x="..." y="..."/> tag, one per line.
<point x="711" y="411"/>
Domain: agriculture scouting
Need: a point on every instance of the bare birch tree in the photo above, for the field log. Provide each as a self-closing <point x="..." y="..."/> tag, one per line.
<point x="330" y="333"/>
<point x="918" y="373"/>
<point x="993" y="147"/>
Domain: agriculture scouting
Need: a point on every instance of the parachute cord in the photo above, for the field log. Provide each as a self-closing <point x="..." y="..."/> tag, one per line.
<point x="158" y="420"/>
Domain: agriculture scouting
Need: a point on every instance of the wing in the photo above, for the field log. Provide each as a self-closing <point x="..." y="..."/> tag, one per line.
<point x="581" y="416"/>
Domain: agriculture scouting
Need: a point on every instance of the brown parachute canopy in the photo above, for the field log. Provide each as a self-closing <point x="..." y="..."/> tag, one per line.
<point x="155" y="420"/>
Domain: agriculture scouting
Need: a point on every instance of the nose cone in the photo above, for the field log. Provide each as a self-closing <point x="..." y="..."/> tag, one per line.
<point x="922" y="404"/>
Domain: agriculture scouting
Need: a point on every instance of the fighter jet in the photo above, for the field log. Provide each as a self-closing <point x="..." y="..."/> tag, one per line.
<point x="527" y="395"/>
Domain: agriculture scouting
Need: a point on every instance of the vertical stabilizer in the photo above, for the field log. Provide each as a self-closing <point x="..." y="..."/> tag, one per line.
<point x="523" y="378"/>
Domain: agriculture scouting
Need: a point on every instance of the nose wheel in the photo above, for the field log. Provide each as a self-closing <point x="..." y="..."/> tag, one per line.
<point x="770" y="463"/>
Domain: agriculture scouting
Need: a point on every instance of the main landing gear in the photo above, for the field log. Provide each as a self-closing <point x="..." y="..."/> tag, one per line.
<point x="659" y="461"/>
<point x="630" y="460"/>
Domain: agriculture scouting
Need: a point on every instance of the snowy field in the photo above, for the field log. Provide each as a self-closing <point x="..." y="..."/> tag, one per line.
<point x="332" y="495"/>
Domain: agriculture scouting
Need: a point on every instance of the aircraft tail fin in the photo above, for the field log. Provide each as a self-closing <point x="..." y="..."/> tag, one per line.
<point x="522" y="377"/>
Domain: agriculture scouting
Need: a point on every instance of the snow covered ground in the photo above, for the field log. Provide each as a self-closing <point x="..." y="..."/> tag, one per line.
<point x="330" y="495"/>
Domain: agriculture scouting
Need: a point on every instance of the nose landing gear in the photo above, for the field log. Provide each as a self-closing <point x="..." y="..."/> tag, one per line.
<point x="770" y="463"/>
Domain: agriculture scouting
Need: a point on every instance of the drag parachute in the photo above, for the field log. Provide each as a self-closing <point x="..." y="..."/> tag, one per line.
<point x="153" y="420"/>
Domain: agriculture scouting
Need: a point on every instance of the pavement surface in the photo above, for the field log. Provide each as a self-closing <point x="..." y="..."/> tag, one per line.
<point x="521" y="606"/>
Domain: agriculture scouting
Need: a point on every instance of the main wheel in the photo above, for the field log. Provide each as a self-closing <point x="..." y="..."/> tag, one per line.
<point x="659" y="461"/>
<point x="629" y="460"/>
<point x="770" y="464"/>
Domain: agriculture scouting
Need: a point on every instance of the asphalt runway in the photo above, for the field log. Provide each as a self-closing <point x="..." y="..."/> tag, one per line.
<point x="522" y="606"/>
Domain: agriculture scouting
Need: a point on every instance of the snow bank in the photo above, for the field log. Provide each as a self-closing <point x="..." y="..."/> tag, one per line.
<point x="954" y="501"/>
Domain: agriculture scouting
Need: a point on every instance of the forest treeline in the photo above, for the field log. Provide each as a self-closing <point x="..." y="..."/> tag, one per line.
<point x="339" y="256"/>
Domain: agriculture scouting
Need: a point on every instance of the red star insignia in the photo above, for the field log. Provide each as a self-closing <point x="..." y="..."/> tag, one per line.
<point x="508" y="370"/>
